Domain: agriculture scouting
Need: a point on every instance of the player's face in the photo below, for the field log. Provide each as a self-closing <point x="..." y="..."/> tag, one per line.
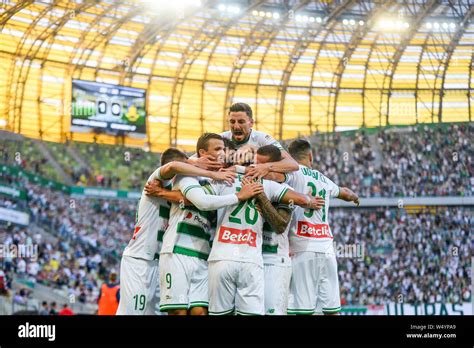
<point x="240" y="125"/>
<point x="215" y="147"/>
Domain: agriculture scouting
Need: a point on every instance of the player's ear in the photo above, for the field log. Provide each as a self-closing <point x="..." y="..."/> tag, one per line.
<point x="251" y="121"/>
<point x="310" y="157"/>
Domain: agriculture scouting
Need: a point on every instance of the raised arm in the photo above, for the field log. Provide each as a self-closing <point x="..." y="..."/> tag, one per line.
<point x="155" y="189"/>
<point x="305" y="201"/>
<point x="169" y="170"/>
<point x="348" y="195"/>
<point x="198" y="197"/>
<point x="205" y="162"/>
<point x="278" y="177"/>
<point x="285" y="165"/>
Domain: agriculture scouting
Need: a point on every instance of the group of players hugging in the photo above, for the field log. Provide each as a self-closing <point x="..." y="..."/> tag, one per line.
<point x="241" y="227"/>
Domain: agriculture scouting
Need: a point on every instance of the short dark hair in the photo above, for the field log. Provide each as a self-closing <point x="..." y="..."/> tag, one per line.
<point x="229" y="144"/>
<point x="299" y="148"/>
<point x="172" y="154"/>
<point x="271" y="151"/>
<point x="203" y="141"/>
<point x="236" y="107"/>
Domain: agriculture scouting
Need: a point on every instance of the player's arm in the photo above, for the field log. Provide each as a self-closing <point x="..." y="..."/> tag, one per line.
<point x="285" y="165"/>
<point x="278" y="177"/>
<point x="169" y="170"/>
<point x="348" y="195"/>
<point x="205" y="162"/>
<point x="277" y="218"/>
<point x="304" y="201"/>
<point x="155" y="189"/>
<point x="197" y="196"/>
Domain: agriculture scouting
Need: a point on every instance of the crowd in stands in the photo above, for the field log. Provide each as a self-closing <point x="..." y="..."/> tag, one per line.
<point x="414" y="257"/>
<point x="25" y="155"/>
<point x="65" y="265"/>
<point x="417" y="161"/>
<point x="118" y="166"/>
<point x="90" y="237"/>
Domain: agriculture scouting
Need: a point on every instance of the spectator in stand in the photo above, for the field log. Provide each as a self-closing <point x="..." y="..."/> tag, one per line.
<point x="3" y="284"/>
<point x="53" y="310"/>
<point x="109" y="296"/>
<point x="44" y="308"/>
<point x="66" y="310"/>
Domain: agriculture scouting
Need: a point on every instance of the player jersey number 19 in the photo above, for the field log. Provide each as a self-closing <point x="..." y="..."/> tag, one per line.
<point x="140" y="301"/>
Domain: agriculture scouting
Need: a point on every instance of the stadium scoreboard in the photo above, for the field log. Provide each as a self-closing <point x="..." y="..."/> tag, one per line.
<point x="109" y="108"/>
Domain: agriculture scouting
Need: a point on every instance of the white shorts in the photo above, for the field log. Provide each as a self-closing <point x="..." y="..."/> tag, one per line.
<point x="236" y="287"/>
<point x="183" y="282"/>
<point x="314" y="286"/>
<point x="277" y="288"/>
<point x="139" y="279"/>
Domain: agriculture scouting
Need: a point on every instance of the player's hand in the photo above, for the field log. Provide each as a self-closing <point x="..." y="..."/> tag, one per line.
<point x="227" y="176"/>
<point x="258" y="171"/>
<point x="153" y="188"/>
<point x="249" y="189"/>
<point x="207" y="162"/>
<point x="230" y="169"/>
<point x="356" y="201"/>
<point x="246" y="154"/>
<point x="316" y="202"/>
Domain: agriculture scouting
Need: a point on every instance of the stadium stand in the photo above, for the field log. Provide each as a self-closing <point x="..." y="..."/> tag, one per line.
<point x="423" y="160"/>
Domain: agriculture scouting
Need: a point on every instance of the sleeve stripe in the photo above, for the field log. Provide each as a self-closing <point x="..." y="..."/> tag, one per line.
<point x="186" y="190"/>
<point x="282" y="194"/>
<point x="209" y="189"/>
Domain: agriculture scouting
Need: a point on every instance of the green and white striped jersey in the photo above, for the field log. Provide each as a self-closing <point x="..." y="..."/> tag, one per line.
<point x="150" y="225"/>
<point x="189" y="230"/>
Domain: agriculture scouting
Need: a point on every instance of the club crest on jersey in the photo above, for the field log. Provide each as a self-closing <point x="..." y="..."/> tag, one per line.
<point x="307" y="229"/>
<point x="236" y="236"/>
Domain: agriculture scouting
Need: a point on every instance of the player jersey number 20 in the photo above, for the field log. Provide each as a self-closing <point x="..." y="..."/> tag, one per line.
<point x="251" y="212"/>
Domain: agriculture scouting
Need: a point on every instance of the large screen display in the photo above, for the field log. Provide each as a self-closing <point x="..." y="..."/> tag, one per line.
<point x="111" y="108"/>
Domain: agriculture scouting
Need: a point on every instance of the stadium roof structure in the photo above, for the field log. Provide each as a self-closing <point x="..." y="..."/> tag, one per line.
<point x="303" y="66"/>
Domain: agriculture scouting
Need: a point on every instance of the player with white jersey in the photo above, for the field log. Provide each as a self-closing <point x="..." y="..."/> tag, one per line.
<point x="236" y="278"/>
<point x="314" y="283"/>
<point x="139" y="265"/>
<point x="275" y="248"/>
<point x="186" y="243"/>
<point x="240" y="121"/>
